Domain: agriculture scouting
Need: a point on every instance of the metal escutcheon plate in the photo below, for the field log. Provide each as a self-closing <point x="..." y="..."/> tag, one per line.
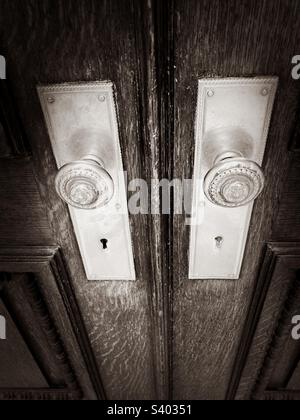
<point x="82" y="121"/>
<point x="219" y="234"/>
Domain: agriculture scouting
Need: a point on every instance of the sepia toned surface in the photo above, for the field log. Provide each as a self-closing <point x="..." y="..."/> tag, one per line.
<point x="164" y="336"/>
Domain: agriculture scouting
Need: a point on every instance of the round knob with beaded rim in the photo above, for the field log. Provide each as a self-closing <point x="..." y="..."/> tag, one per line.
<point x="234" y="182"/>
<point x="85" y="184"/>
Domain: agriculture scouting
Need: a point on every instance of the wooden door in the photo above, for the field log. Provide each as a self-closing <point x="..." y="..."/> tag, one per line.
<point x="164" y="336"/>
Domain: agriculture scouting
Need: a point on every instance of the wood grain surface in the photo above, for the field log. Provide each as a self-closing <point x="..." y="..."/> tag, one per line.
<point x="23" y="217"/>
<point x="163" y="336"/>
<point x="221" y="39"/>
<point x="270" y="355"/>
<point x="18" y="369"/>
<point x="53" y="42"/>
<point x="295" y="145"/>
<point x="5" y="147"/>
<point x="287" y="226"/>
<point x="154" y="36"/>
<point x="38" y="295"/>
<point x="12" y="137"/>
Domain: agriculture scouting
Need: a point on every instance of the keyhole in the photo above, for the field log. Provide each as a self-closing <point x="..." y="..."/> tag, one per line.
<point x="219" y="241"/>
<point x="104" y="243"/>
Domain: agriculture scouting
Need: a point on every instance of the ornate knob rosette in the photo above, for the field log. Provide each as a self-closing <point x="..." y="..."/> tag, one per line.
<point x="234" y="182"/>
<point x="84" y="184"/>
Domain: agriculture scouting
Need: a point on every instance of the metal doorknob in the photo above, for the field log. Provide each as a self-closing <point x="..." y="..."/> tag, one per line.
<point x="234" y="181"/>
<point x="85" y="184"/>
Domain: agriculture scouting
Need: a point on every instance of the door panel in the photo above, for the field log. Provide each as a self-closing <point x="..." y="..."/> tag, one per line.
<point x="226" y="39"/>
<point x="56" y="42"/>
<point x="23" y="219"/>
<point x="163" y="336"/>
<point x="41" y="356"/>
<point x="270" y="355"/>
<point x="17" y="369"/>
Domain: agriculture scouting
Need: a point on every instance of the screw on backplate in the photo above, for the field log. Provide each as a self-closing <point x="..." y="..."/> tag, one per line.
<point x="219" y="241"/>
<point x="51" y="99"/>
<point x="210" y="93"/>
<point x="265" y="92"/>
<point x="102" y="98"/>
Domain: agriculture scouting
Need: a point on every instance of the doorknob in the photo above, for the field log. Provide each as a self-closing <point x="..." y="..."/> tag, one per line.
<point x="233" y="181"/>
<point x="85" y="184"/>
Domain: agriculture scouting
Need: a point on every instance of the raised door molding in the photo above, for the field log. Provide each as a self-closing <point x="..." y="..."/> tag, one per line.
<point x="38" y="276"/>
<point x="267" y="332"/>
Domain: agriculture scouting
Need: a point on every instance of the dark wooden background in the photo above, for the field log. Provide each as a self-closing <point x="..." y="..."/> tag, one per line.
<point x="164" y="336"/>
<point x="232" y="38"/>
